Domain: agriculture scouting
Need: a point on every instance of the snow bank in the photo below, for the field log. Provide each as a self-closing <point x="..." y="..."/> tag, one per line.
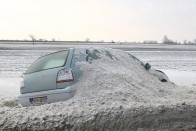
<point x="9" y="91"/>
<point x="113" y="94"/>
<point x="183" y="78"/>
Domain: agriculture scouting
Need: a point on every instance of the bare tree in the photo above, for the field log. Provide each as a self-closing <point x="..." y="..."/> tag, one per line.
<point x="32" y="38"/>
<point x="87" y="39"/>
<point x="194" y="41"/>
<point x="166" y="40"/>
<point x="185" y="42"/>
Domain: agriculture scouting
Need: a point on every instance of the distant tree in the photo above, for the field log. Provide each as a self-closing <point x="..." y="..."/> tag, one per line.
<point x="185" y="42"/>
<point x="87" y="39"/>
<point x="194" y="41"/>
<point x="32" y="38"/>
<point x="166" y="40"/>
<point x="113" y="41"/>
<point x="53" y="39"/>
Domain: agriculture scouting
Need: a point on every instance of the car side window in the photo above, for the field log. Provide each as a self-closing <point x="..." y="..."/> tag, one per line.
<point x="96" y="54"/>
<point x="92" y="55"/>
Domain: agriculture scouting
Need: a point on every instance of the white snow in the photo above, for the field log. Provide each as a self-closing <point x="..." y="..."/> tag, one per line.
<point x="110" y="93"/>
<point x="182" y="78"/>
<point x="9" y="86"/>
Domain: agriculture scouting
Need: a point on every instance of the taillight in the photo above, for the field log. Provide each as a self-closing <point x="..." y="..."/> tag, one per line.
<point x="64" y="75"/>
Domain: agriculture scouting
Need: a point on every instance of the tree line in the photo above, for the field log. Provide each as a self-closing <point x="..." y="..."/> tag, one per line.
<point x="166" y="40"/>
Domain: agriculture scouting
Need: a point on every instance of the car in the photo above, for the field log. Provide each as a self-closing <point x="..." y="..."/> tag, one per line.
<point x="50" y="77"/>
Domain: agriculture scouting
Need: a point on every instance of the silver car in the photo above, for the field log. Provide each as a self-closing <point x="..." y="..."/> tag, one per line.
<point x="50" y="77"/>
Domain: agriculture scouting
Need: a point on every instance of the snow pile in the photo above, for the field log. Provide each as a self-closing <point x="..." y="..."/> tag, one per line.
<point x="113" y="94"/>
<point x="9" y="92"/>
<point x="120" y="78"/>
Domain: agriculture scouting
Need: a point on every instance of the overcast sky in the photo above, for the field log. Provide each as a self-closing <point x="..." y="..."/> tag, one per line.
<point x="130" y="20"/>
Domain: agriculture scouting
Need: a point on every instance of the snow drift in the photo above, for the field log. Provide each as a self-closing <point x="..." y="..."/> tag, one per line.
<point x="113" y="94"/>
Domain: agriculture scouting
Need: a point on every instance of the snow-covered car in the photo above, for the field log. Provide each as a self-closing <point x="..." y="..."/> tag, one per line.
<point x="50" y="77"/>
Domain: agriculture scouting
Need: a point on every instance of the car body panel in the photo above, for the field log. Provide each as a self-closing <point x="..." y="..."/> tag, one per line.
<point x="67" y="66"/>
<point x="160" y="75"/>
<point x="79" y="55"/>
<point x="52" y="96"/>
<point x="40" y="81"/>
<point x="45" y="79"/>
<point x="44" y="83"/>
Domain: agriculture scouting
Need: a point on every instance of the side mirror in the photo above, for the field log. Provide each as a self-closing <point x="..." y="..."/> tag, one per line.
<point x="147" y="66"/>
<point x="22" y="76"/>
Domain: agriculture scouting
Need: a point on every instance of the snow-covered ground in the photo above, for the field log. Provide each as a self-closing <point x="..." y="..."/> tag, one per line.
<point x="180" y="66"/>
<point x="115" y="98"/>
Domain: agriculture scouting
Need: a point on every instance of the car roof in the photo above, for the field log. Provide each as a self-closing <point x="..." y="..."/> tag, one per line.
<point x="76" y="48"/>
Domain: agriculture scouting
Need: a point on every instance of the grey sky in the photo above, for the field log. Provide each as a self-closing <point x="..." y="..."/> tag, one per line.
<point x="130" y="20"/>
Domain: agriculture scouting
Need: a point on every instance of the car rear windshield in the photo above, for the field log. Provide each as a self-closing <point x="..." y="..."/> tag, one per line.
<point x="49" y="61"/>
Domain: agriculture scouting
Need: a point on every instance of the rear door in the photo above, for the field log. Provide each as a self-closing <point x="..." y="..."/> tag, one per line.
<point x="42" y="74"/>
<point x="79" y="55"/>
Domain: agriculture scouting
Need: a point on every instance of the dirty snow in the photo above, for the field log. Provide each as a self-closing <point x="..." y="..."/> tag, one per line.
<point x="116" y="94"/>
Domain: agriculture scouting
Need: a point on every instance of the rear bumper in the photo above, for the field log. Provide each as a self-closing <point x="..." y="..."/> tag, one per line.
<point x="52" y="96"/>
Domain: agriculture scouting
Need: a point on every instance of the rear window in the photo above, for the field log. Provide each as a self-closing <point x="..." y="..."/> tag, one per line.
<point x="49" y="61"/>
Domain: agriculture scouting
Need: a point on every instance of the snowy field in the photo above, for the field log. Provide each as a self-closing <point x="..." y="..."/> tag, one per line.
<point x="178" y="63"/>
<point x="180" y="66"/>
